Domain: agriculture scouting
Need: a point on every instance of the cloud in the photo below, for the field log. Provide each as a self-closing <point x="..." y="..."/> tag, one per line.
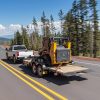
<point x="9" y="30"/>
<point x="2" y="27"/>
<point x="12" y="28"/>
<point x="31" y="27"/>
<point x="56" y="24"/>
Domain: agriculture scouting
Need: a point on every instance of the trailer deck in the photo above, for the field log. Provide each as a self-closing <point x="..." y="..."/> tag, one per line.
<point x="68" y="69"/>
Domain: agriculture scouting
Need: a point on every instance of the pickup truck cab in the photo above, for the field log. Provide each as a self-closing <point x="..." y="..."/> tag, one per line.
<point x="18" y="52"/>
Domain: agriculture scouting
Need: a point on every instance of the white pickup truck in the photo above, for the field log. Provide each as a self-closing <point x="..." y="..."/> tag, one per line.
<point x="18" y="52"/>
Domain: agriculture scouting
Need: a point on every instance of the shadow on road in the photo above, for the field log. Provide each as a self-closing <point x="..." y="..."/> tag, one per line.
<point x="11" y="62"/>
<point x="58" y="80"/>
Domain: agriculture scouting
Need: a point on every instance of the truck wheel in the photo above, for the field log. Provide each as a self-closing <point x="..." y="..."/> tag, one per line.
<point x="34" y="69"/>
<point x="7" y="56"/>
<point x="40" y="71"/>
<point x="14" y="59"/>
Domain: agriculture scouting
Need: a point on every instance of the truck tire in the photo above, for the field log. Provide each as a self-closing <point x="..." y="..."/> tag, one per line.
<point x="40" y="71"/>
<point x="14" y="59"/>
<point x="34" y="69"/>
<point x="7" y="56"/>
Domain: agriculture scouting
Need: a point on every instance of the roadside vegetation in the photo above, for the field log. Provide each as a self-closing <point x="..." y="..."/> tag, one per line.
<point x="80" y="25"/>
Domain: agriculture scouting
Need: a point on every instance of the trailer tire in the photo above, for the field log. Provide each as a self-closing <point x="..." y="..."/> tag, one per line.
<point x="40" y="71"/>
<point x="34" y="69"/>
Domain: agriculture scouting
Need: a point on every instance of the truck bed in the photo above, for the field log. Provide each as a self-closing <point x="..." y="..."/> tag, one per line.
<point x="68" y="69"/>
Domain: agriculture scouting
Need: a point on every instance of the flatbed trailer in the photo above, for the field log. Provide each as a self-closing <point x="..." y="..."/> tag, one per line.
<point x="66" y="70"/>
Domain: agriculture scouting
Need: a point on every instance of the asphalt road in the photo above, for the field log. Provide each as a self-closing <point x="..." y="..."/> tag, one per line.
<point x="86" y="87"/>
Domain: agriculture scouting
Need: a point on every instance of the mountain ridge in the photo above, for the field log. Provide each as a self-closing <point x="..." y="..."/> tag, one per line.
<point x="4" y="39"/>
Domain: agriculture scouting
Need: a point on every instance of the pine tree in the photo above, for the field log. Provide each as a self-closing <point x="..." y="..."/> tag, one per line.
<point x="45" y="26"/>
<point x="89" y="39"/>
<point x="43" y="20"/>
<point x="25" y="37"/>
<point x="75" y="12"/>
<point x="34" y="22"/>
<point x="12" y="42"/>
<point x="52" y="27"/>
<point x="96" y="34"/>
<point x="61" y="17"/>
<point x="48" y="34"/>
<point x="69" y="29"/>
<point x="18" y="38"/>
<point x="83" y="26"/>
<point x="34" y="34"/>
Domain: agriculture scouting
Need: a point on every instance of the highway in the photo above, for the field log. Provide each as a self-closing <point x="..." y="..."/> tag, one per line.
<point x="18" y="83"/>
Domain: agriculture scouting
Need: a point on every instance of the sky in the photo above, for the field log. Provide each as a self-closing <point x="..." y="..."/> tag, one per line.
<point x="14" y="13"/>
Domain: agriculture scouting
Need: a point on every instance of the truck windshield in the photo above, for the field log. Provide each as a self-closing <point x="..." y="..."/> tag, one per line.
<point x="20" y="48"/>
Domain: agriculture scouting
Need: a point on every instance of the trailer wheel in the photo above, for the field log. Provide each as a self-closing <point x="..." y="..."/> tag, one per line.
<point x="34" y="69"/>
<point x="40" y="71"/>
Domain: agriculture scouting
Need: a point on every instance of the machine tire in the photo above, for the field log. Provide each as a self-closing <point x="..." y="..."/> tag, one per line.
<point x="34" y="69"/>
<point x="40" y="71"/>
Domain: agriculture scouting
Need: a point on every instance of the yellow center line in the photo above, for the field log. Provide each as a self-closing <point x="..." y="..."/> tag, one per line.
<point x="36" y="82"/>
<point x="28" y="83"/>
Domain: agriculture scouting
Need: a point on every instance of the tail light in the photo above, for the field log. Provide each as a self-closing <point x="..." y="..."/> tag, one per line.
<point x="17" y="54"/>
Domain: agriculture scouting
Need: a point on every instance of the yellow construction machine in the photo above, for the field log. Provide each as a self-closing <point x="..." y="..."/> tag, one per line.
<point x="57" y="49"/>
